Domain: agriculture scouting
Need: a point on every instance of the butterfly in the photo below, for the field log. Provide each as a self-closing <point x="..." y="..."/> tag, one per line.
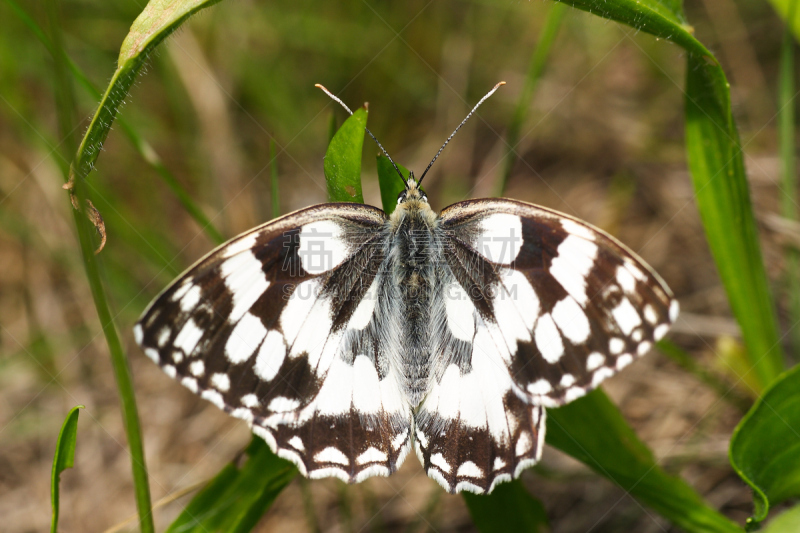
<point x="346" y="338"/>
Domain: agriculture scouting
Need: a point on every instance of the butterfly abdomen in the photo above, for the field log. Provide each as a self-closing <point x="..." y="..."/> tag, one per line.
<point x="414" y="249"/>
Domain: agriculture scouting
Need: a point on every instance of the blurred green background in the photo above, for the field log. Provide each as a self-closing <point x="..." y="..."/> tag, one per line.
<point x="602" y="139"/>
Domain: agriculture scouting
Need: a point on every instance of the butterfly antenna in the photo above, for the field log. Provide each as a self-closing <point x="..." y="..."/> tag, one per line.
<point x="337" y="99"/>
<point x="490" y="93"/>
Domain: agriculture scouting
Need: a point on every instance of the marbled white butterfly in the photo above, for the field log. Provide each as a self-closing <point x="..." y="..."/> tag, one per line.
<point x="346" y="337"/>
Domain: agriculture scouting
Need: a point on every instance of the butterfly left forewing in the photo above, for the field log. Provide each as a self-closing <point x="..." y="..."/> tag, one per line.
<point x="568" y="303"/>
<point x="267" y="327"/>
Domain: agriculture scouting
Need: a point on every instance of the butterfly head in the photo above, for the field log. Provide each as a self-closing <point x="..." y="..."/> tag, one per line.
<point x="412" y="192"/>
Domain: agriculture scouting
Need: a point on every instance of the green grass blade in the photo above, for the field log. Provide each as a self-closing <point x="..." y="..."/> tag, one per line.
<point x="717" y="170"/>
<point x="723" y="198"/>
<point x="343" y="160"/>
<point x="765" y="446"/>
<point x="159" y="19"/>
<point x="236" y="499"/>
<point x="390" y="183"/>
<point x="144" y="148"/>
<point x="662" y="18"/>
<point x="788" y="192"/>
<point x="538" y="61"/>
<point x="592" y="430"/>
<point x="510" y="507"/>
<point x="66" y="111"/>
<point x="789" y="12"/>
<point x="64" y="458"/>
<point x="276" y="199"/>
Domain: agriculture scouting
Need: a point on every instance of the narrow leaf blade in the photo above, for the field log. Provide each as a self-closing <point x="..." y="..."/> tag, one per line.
<point x="64" y="458"/>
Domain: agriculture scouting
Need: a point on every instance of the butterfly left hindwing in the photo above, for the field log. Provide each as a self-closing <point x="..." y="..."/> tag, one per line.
<point x="279" y="327"/>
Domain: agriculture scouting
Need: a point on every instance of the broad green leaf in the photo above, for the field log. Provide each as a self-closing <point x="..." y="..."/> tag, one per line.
<point x="786" y="522"/>
<point x="592" y="430"/>
<point x="390" y="182"/>
<point x="343" y="160"/>
<point x="64" y="458"/>
<point x="723" y="198"/>
<point x="510" y="507"/>
<point x="765" y="446"/>
<point x="159" y="19"/>
<point x="236" y="499"/>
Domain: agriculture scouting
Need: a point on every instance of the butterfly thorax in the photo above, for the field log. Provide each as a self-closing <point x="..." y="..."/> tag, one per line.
<point x="414" y="248"/>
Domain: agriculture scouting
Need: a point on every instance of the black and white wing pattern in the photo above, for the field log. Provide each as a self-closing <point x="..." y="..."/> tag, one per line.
<point x="278" y="328"/>
<point x="538" y="309"/>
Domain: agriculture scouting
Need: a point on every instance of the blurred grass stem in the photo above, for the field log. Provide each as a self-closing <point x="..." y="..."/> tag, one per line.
<point x="66" y="109"/>
<point x="786" y="135"/>
<point x="538" y="60"/>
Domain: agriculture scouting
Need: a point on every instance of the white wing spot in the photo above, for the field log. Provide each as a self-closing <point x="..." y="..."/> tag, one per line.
<point x="540" y="387"/>
<point x="594" y="361"/>
<point x="152" y="354"/>
<point x="245" y="280"/>
<point x="626" y="316"/>
<point x="250" y="400"/>
<point x="460" y="312"/>
<point x="624" y="360"/>
<point x="469" y="469"/>
<point x="297" y="443"/>
<point x="366" y="386"/>
<point x="644" y="347"/>
<point x="575" y="228"/>
<point x="190" y="300"/>
<point x="571" y="320"/>
<point x="626" y="279"/>
<point x="170" y="370"/>
<point x="523" y="444"/>
<point x="616" y="345"/>
<point x="245" y="339"/>
<point x="437" y="459"/>
<point x="332" y="455"/>
<point x="197" y="368"/>
<point x="242" y="244"/>
<point x="500" y="239"/>
<point x="190" y="383"/>
<point x="567" y="380"/>
<point x="371" y="455"/>
<point x="322" y="247"/>
<point x="601" y="375"/>
<point x="163" y="336"/>
<point x="270" y="356"/>
<point x="572" y="265"/>
<point x="574" y="393"/>
<point x="650" y="314"/>
<point x="177" y="356"/>
<point x="221" y="382"/>
<point x="188" y="338"/>
<point x="282" y="404"/>
<point x="674" y="309"/>
<point x="213" y="397"/>
<point x="660" y="331"/>
<point x="399" y="440"/>
<point x="548" y="339"/>
<point x="363" y="313"/>
<point x="498" y="464"/>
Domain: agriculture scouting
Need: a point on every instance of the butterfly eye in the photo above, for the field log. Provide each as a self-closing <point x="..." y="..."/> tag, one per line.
<point x="401" y="197"/>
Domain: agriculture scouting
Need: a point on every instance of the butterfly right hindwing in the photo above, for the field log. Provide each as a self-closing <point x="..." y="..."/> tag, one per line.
<point x="280" y="327"/>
